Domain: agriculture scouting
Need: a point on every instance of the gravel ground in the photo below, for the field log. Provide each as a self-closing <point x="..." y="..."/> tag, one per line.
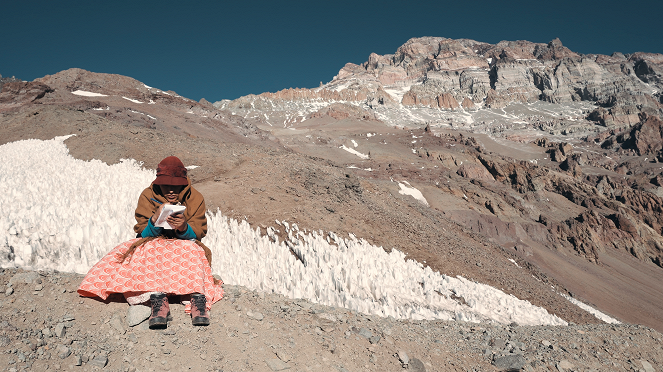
<point x="45" y="325"/>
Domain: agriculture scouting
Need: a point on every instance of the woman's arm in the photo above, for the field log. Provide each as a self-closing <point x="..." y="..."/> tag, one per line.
<point x="145" y="209"/>
<point x="151" y="230"/>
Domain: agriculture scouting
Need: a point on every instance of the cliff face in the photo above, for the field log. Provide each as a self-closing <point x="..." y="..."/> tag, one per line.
<point x="466" y="75"/>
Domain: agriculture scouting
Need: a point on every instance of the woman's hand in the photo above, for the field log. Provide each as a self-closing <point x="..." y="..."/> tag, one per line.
<point x="178" y="222"/>
<point x="156" y="214"/>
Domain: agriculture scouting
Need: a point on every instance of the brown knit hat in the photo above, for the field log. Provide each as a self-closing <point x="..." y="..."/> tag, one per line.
<point x="171" y="171"/>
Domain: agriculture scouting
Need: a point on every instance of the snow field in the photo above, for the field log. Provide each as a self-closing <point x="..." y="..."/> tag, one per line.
<point x="599" y="315"/>
<point x="87" y="94"/>
<point x="65" y="214"/>
<point x="407" y="189"/>
<point x="354" y="152"/>
<point x="62" y="213"/>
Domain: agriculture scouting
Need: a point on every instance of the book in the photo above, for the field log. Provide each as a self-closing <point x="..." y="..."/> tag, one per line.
<point x="168" y="210"/>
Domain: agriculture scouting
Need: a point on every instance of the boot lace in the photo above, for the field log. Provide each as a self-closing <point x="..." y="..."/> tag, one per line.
<point x="199" y="302"/>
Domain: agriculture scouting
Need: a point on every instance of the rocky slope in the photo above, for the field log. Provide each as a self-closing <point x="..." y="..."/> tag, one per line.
<point x="590" y="190"/>
<point x="44" y="325"/>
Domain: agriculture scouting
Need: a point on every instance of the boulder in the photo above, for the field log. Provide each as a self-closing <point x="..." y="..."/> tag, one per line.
<point x="474" y="171"/>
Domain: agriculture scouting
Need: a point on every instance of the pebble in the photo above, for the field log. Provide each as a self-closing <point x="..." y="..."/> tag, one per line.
<point x="117" y="323"/>
<point x="63" y="351"/>
<point x="27" y="277"/>
<point x="563" y="365"/>
<point x="646" y="366"/>
<point x="364" y="332"/>
<point x="276" y="364"/>
<point x="99" y="361"/>
<point x="402" y="356"/>
<point x="60" y="330"/>
<point x="416" y="365"/>
<point x="283" y="356"/>
<point x="9" y="291"/>
<point x="137" y="314"/>
<point x="327" y="316"/>
<point x="255" y="316"/>
<point x="374" y="340"/>
<point x="513" y="362"/>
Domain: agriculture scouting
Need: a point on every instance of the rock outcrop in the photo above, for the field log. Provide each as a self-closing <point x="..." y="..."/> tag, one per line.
<point x="644" y="139"/>
<point x="18" y="92"/>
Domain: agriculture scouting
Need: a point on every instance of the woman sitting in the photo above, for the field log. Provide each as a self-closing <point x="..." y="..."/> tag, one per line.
<point x="162" y="261"/>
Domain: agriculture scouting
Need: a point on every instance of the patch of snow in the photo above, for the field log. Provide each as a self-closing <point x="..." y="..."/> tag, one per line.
<point x="355" y="152"/>
<point x="354" y="143"/>
<point x="397" y="91"/>
<point x="190" y="167"/>
<point x="132" y="100"/>
<point x="591" y="310"/>
<point x="88" y="94"/>
<point x="514" y="262"/>
<point x="413" y="192"/>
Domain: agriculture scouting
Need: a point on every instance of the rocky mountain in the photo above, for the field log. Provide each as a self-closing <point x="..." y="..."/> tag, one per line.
<point x="466" y="83"/>
<point x="536" y="166"/>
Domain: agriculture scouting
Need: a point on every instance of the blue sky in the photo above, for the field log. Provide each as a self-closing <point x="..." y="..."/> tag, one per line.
<point x="219" y="49"/>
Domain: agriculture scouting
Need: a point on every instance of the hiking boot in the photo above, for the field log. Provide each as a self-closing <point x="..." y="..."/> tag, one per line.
<point x="199" y="316"/>
<point x="160" y="311"/>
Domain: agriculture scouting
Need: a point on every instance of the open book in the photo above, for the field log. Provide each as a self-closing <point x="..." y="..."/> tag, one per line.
<point x="167" y="210"/>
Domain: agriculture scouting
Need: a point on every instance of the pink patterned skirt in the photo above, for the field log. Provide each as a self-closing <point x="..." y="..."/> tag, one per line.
<point x="173" y="266"/>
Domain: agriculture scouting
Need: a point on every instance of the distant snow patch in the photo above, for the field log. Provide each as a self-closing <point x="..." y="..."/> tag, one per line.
<point x="398" y="91"/>
<point x="354" y="143"/>
<point x="190" y="167"/>
<point x="406" y="189"/>
<point x="356" y="167"/>
<point x="591" y="310"/>
<point x="132" y="100"/>
<point x="87" y="94"/>
<point x="355" y="152"/>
